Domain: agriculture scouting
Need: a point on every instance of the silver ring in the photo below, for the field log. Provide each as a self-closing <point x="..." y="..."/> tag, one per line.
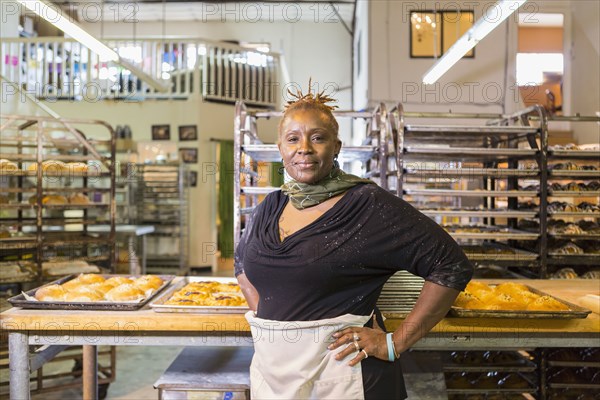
<point x="356" y="345"/>
<point x="355" y="337"/>
<point x="366" y="355"/>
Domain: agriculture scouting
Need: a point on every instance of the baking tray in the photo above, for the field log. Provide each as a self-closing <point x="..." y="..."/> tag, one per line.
<point x="575" y="364"/>
<point x="574" y="386"/>
<point x="470" y="172"/>
<point x="491" y="232"/>
<point x="575" y="153"/>
<point x="520" y="364"/>
<point x="567" y="193"/>
<point x="22" y="302"/>
<point x="470" y="151"/>
<point x="578" y="173"/>
<point x="574" y="214"/>
<point x="481" y="213"/>
<point x="158" y="304"/>
<point x="517" y="255"/>
<point x="554" y="254"/>
<point x="574" y="312"/>
<point x="471" y="193"/>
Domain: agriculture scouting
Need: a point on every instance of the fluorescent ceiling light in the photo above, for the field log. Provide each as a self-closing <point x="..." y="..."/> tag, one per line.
<point x="53" y="14"/>
<point x="493" y="17"/>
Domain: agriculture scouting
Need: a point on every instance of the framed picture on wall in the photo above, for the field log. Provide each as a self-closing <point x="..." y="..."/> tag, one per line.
<point x="161" y="132"/>
<point x="189" y="155"/>
<point x="433" y="32"/>
<point x="192" y="178"/>
<point x="188" y="132"/>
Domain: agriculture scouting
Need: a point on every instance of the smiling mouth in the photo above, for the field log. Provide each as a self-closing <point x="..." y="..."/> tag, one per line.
<point x="305" y="164"/>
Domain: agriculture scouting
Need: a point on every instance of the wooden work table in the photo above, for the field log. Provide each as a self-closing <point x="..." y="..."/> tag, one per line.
<point x="61" y="328"/>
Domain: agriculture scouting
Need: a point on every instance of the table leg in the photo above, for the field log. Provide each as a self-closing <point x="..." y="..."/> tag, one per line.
<point x="90" y="372"/>
<point x="18" y="362"/>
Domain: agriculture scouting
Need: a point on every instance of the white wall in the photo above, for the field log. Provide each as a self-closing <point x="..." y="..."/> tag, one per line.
<point x="474" y="85"/>
<point x="585" y="64"/>
<point x="480" y="84"/>
<point x="9" y="16"/>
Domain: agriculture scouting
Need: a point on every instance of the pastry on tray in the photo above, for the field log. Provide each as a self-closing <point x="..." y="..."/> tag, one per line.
<point x="50" y="166"/>
<point x="208" y="293"/>
<point x="509" y="296"/>
<point x="94" y="287"/>
<point x="7" y="166"/>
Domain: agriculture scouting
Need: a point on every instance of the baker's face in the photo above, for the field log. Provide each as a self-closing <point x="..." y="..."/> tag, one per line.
<point x="307" y="144"/>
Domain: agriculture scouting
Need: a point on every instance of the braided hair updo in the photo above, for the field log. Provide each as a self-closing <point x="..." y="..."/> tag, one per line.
<point x="310" y="101"/>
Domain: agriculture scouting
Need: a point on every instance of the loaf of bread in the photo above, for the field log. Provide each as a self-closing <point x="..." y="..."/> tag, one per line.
<point x="50" y="293"/>
<point x="77" y="167"/>
<point x="79" y="198"/>
<point x="7" y="166"/>
<point x="50" y="166"/>
<point x="124" y="293"/>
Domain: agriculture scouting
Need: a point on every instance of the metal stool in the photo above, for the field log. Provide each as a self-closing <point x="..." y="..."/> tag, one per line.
<point x="223" y="370"/>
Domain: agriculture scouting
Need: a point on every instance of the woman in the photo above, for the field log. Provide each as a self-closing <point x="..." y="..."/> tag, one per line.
<point x="313" y="262"/>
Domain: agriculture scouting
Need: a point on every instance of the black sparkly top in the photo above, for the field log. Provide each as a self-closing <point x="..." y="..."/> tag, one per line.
<point x="339" y="263"/>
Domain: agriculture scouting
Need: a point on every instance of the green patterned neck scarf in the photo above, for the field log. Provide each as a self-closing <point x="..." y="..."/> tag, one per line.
<point x="304" y="195"/>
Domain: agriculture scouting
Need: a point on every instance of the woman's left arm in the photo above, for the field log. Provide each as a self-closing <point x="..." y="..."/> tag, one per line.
<point x="432" y="305"/>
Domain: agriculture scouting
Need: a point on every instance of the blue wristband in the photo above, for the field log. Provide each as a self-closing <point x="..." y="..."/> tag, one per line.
<point x="390" y="346"/>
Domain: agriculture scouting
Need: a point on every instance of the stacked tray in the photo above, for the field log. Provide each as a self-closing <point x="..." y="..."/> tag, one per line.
<point x="400" y="294"/>
<point x="23" y="300"/>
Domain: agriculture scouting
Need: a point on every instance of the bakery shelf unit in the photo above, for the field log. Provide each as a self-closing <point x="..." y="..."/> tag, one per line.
<point x="574" y="205"/>
<point x="569" y="209"/>
<point x="375" y="155"/>
<point x="468" y="176"/>
<point x="162" y="199"/>
<point x="57" y="179"/>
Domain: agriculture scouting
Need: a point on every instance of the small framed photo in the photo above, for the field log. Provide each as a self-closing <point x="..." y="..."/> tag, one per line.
<point x="192" y="178"/>
<point x="188" y="132"/>
<point x="161" y="132"/>
<point x="189" y="155"/>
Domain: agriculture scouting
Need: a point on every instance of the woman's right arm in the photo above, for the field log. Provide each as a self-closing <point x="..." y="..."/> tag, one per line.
<point x="249" y="291"/>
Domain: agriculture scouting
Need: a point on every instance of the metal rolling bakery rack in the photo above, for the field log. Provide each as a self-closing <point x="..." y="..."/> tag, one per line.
<point x="574" y="198"/>
<point x="38" y="155"/>
<point x="162" y="199"/>
<point x="467" y="177"/>
<point x="375" y="154"/>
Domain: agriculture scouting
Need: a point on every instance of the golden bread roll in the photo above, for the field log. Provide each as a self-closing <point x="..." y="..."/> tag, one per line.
<point x="50" y="293"/>
<point x="7" y="166"/>
<point x="511" y="288"/>
<point x="149" y="280"/>
<point x="475" y="304"/>
<point x="90" y="278"/>
<point x="119" y="280"/>
<point x="72" y="284"/>
<point x="147" y="287"/>
<point x="503" y="301"/>
<point x="103" y="287"/>
<point x="54" y="200"/>
<point x="83" y="296"/>
<point x="463" y="298"/>
<point x="124" y="292"/>
<point x="77" y="167"/>
<point x="546" y="303"/>
<point x="79" y="198"/>
<point x="50" y="166"/>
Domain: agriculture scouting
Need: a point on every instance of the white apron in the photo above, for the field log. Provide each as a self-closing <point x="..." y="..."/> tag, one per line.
<point x="291" y="360"/>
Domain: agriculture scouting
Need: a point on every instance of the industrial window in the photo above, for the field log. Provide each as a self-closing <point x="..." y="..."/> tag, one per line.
<point x="432" y="33"/>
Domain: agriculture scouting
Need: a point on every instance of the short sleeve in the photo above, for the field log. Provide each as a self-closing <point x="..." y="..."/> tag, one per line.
<point x="408" y="240"/>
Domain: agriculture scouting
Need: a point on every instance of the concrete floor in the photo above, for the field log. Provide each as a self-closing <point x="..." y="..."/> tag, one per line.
<point x="138" y="367"/>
